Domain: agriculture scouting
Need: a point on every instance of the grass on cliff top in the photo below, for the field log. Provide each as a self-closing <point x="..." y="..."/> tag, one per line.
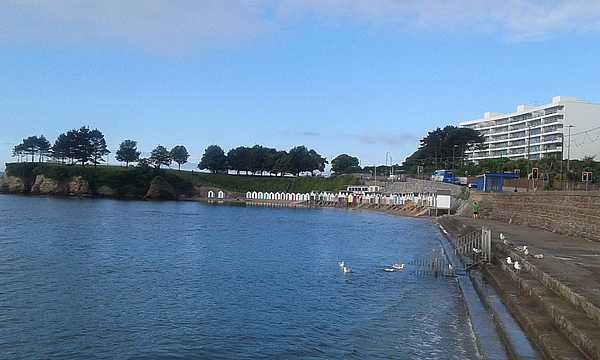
<point x="135" y="181"/>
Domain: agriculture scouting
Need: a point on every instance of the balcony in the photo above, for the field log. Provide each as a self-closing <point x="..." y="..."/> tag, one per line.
<point x="517" y="135"/>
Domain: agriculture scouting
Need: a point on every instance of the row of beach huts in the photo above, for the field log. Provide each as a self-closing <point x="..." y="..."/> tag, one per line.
<point x="440" y="201"/>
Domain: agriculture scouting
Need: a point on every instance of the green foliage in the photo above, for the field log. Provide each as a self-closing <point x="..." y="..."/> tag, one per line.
<point x="344" y="164"/>
<point x="31" y="146"/>
<point x="128" y="152"/>
<point x="80" y="145"/>
<point x="180" y="155"/>
<point x="213" y="159"/>
<point x="160" y="156"/>
<point x="243" y="184"/>
<point x="134" y="182"/>
<point x="98" y="147"/>
<point x="442" y="145"/>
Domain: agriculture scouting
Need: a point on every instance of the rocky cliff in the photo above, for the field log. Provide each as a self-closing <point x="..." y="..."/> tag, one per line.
<point x="159" y="188"/>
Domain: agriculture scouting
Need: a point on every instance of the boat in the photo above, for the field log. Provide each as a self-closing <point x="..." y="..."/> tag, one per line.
<point x="346" y="269"/>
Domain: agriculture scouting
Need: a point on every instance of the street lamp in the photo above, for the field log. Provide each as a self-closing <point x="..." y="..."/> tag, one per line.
<point x="453" y="157"/>
<point x="569" y="154"/>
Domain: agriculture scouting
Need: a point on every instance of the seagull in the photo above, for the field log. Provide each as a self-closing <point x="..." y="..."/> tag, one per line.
<point x="509" y="260"/>
<point x="346" y="269"/>
<point x="539" y="256"/>
<point x="341" y="264"/>
<point x="477" y="251"/>
<point x="521" y="248"/>
<point x="502" y="237"/>
<point x="398" y="266"/>
<point x="526" y="251"/>
<point x="517" y="266"/>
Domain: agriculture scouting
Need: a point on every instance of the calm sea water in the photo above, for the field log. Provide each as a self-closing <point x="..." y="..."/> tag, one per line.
<point x="90" y="279"/>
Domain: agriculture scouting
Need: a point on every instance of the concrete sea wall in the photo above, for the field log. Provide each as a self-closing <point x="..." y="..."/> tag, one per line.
<point x="569" y="213"/>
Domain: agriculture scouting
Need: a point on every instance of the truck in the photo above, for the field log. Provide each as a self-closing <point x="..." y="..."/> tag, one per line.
<point x="446" y="176"/>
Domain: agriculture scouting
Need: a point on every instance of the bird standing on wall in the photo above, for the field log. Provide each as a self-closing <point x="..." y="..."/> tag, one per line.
<point x="509" y="261"/>
<point x="517" y="266"/>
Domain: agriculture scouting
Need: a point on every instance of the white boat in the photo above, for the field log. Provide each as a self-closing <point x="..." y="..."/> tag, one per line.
<point x="346" y="269"/>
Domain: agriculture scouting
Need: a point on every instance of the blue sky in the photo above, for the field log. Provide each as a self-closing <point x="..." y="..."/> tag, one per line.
<point x="357" y="77"/>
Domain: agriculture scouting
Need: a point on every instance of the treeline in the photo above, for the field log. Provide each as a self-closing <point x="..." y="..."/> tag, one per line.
<point x="84" y="146"/>
<point x="443" y="148"/>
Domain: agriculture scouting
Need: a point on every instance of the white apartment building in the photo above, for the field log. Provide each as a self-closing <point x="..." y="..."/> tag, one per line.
<point x="536" y="132"/>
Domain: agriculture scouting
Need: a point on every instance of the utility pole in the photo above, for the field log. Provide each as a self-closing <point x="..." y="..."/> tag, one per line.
<point x="569" y="155"/>
<point x="562" y="160"/>
<point x="454" y="157"/>
<point x="528" y="154"/>
<point x="386" y="161"/>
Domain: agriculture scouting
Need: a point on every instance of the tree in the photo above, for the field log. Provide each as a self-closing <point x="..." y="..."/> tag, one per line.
<point x="29" y="146"/>
<point x="18" y="151"/>
<point x="302" y="159"/>
<point x="128" y="152"/>
<point x="160" y="156"/>
<point x="180" y="155"/>
<point x="237" y="159"/>
<point x="43" y="147"/>
<point x="144" y="163"/>
<point x="443" y="146"/>
<point x="316" y="161"/>
<point x="282" y="163"/>
<point x="98" y="147"/>
<point x="344" y="163"/>
<point x="298" y="159"/>
<point x="82" y="149"/>
<point x="213" y="159"/>
<point x="64" y="147"/>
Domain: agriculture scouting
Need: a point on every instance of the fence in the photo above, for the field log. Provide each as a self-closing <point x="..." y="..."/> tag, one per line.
<point x="474" y="248"/>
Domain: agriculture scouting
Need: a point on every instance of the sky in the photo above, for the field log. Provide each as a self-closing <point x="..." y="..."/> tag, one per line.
<point x="363" y="77"/>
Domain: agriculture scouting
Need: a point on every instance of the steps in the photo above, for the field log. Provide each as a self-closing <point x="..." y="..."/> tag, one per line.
<point x="563" y="323"/>
<point x="530" y="315"/>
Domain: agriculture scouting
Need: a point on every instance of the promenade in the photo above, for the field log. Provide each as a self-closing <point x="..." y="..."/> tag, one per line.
<point x="556" y="299"/>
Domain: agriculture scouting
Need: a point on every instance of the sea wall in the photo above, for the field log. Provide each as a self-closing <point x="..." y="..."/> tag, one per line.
<point x="569" y="213"/>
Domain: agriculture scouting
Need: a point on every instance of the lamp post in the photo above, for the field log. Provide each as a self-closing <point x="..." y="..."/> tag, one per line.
<point x="387" y="153"/>
<point x="453" y="157"/>
<point x="569" y="155"/>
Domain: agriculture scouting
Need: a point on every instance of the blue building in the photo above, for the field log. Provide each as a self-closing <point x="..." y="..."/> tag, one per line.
<point x="493" y="182"/>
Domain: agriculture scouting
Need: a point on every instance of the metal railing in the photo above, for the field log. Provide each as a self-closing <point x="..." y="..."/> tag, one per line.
<point x="474" y="248"/>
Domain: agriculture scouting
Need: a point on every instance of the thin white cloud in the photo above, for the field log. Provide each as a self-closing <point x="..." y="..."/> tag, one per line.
<point x="184" y="24"/>
<point x="394" y="140"/>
